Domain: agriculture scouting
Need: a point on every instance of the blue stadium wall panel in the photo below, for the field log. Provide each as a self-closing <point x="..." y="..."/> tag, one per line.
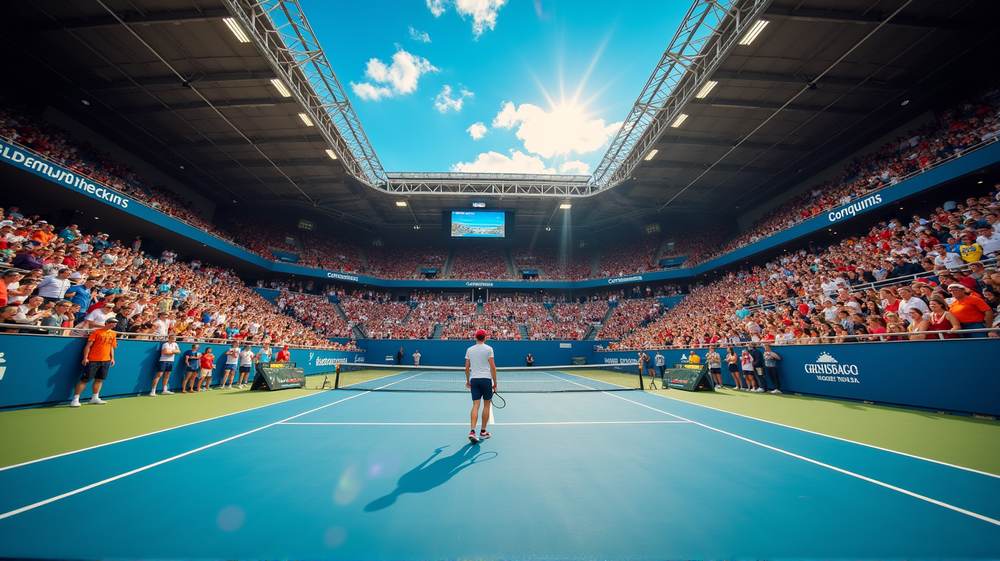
<point x="989" y="155"/>
<point x="952" y="375"/>
<point x="43" y="370"/>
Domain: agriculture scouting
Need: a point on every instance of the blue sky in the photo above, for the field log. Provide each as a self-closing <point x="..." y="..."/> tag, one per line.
<point x="519" y="86"/>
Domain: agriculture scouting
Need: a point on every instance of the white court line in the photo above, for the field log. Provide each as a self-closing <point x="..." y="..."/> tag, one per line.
<point x="505" y="424"/>
<point x="151" y="433"/>
<point x="960" y="510"/>
<point x="172" y="458"/>
<point x="939" y="462"/>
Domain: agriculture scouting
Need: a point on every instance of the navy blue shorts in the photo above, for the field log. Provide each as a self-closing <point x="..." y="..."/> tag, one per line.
<point x="165" y="366"/>
<point x="482" y="388"/>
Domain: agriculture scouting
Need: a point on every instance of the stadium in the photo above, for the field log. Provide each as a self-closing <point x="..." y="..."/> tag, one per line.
<point x="720" y="276"/>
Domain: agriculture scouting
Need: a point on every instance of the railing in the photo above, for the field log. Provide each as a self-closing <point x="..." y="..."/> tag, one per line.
<point x="877" y="284"/>
<point x="80" y="332"/>
<point x="895" y="337"/>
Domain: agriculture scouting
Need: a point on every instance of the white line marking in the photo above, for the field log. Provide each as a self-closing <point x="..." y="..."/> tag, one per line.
<point x="960" y="510"/>
<point x="835" y="437"/>
<point x="505" y="424"/>
<point x="151" y="433"/>
<point x="170" y="459"/>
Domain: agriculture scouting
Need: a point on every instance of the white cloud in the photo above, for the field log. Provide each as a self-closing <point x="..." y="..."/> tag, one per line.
<point x="421" y="36"/>
<point x="494" y="162"/>
<point x="477" y="131"/>
<point x="563" y="130"/>
<point x="444" y="102"/>
<point x="368" y="92"/>
<point x="398" y="78"/>
<point x="576" y="167"/>
<point x="437" y="7"/>
<point x="483" y="12"/>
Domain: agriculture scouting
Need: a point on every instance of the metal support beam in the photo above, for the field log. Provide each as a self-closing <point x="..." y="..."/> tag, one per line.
<point x="850" y="18"/>
<point x="229" y="142"/>
<point x="131" y="18"/>
<point x="775" y="106"/>
<point x="234" y="104"/>
<point x="666" y="143"/>
<point x="226" y="78"/>
<point x="283" y="36"/>
<point x="709" y="32"/>
<point x="503" y="184"/>
<point x="800" y="80"/>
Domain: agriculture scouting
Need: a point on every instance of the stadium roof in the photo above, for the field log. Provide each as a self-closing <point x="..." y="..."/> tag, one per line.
<point x="172" y="81"/>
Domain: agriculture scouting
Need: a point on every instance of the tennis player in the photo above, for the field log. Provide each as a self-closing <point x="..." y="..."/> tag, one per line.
<point x="480" y="369"/>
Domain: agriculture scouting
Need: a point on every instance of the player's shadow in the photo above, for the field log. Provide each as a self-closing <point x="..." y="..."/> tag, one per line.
<point x="432" y="473"/>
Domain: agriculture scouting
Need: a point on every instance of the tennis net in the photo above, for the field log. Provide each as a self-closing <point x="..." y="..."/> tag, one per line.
<point x="539" y="379"/>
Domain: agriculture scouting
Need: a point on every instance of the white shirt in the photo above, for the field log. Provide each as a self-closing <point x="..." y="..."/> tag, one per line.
<point x="160" y="327"/>
<point x="479" y="360"/>
<point x="913" y="302"/>
<point x="246" y="358"/>
<point x="98" y="316"/>
<point x="233" y="356"/>
<point x="168" y="347"/>
<point x="53" y="287"/>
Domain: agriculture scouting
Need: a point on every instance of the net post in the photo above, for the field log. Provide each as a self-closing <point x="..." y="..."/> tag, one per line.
<point x="336" y="379"/>
<point x="642" y="384"/>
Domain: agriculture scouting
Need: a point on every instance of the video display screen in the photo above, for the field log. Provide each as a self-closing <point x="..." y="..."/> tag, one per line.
<point x="478" y="224"/>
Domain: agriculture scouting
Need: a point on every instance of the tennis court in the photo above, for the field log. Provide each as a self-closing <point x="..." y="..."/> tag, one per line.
<point x="597" y="474"/>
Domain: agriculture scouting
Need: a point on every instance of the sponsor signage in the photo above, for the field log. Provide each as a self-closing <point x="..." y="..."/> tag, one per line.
<point x="618" y="280"/>
<point x="858" y="206"/>
<point x="827" y="369"/>
<point x="25" y="160"/>
<point x="278" y="376"/>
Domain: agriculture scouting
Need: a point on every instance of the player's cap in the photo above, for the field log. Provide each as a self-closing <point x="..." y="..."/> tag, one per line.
<point x="481" y="334"/>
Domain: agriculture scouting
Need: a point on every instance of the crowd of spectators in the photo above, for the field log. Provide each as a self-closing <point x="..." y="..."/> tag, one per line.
<point x="73" y="279"/>
<point x="316" y="312"/>
<point x="378" y="316"/>
<point x="554" y="263"/>
<point x="568" y="320"/>
<point x="328" y="252"/>
<point x="479" y="263"/>
<point x="259" y="236"/>
<point x="627" y="316"/>
<point x="636" y="255"/>
<point x="402" y="262"/>
<point x="896" y="279"/>
<point x="953" y="131"/>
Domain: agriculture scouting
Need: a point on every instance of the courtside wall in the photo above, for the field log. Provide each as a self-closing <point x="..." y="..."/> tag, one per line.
<point x="950" y="375"/>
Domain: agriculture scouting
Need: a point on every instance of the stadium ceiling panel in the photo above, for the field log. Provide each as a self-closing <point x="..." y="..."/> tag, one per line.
<point x="171" y="80"/>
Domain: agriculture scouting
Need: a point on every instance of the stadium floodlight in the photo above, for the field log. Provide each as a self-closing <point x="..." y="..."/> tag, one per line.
<point x="280" y="87"/>
<point x="680" y="119"/>
<point x="754" y="32"/>
<point x="331" y="154"/>
<point x="400" y="203"/>
<point x="651" y="155"/>
<point x="305" y="119"/>
<point x="706" y="89"/>
<point x="416" y="226"/>
<point x="548" y="228"/>
<point x="241" y="36"/>
<point x="565" y="206"/>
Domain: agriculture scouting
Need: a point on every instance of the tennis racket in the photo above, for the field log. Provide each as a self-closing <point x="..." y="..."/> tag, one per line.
<point x="498" y="400"/>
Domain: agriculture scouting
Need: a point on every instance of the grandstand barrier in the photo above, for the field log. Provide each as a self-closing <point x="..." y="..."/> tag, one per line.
<point x="438" y="352"/>
<point x="269" y="294"/>
<point x="284" y="256"/>
<point x="952" y="375"/>
<point x="42" y="370"/>
<point x="25" y="159"/>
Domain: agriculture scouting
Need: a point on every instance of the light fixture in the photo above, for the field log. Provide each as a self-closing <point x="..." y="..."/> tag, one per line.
<point x="548" y="228"/>
<point x="754" y="32"/>
<point x="703" y="92"/>
<point x="651" y="155"/>
<point x="241" y="36"/>
<point x="680" y="119"/>
<point x="182" y="167"/>
<point x="565" y="206"/>
<point x="305" y="119"/>
<point x="331" y="154"/>
<point x="400" y="203"/>
<point x="280" y="87"/>
<point x="979" y="183"/>
<point x="905" y="102"/>
<point x="85" y="102"/>
<point x="416" y="226"/>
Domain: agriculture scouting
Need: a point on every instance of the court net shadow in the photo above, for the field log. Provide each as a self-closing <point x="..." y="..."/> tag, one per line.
<point x="432" y="473"/>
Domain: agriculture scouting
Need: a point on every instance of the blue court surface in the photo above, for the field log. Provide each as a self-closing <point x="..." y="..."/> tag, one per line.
<point x="598" y="475"/>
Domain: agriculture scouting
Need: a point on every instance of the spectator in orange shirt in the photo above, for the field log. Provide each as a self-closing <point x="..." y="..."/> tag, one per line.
<point x="98" y="358"/>
<point x="207" y="363"/>
<point x="972" y="311"/>
<point x="283" y="355"/>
